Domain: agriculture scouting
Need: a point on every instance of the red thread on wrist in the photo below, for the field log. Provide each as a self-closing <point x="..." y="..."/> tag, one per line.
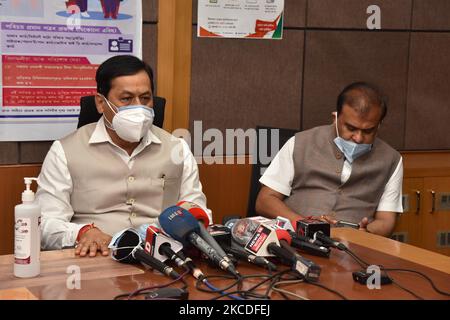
<point x="84" y="229"/>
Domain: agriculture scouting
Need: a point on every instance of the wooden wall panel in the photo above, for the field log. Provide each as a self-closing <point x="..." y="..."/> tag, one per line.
<point x="150" y="10"/>
<point x="174" y="60"/>
<point x="227" y="187"/>
<point x="150" y="48"/>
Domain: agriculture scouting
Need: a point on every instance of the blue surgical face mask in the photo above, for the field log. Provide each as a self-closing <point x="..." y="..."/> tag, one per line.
<point x="350" y="149"/>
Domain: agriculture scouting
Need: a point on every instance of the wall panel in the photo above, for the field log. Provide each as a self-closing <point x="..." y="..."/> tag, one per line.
<point x="244" y="83"/>
<point x="9" y="152"/>
<point x="428" y="113"/>
<point x="335" y="59"/>
<point x="395" y="14"/>
<point x="431" y="15"/>
<point x="34" y="151"/>
<point x="150" y="47"/>
<point x="150" y="10"/>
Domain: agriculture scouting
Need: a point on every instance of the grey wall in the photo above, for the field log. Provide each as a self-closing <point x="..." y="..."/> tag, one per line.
<point x="294" y="83"/>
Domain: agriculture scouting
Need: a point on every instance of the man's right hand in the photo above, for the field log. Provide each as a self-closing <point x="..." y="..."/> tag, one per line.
<point x="328" y="218"/>
<point x="92" y="241"/>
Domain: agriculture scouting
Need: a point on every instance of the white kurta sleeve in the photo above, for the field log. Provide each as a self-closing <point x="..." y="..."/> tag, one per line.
<point x="280" y="173"/>
<point x="53" y="194"/>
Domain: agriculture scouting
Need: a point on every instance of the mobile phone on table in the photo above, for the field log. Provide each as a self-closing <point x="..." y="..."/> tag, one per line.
<point x="342" y="223"/>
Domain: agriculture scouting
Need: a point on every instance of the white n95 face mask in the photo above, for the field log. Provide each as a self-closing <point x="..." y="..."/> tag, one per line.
<point x="132" y="122"/>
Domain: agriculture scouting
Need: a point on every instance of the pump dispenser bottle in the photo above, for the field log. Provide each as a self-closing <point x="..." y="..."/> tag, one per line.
<point x="27" y="235"/>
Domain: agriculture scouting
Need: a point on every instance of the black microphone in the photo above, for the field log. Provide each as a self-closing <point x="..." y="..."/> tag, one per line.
<point x="328" y="241"/>
<point x="128" y="249"/>
<point x="306" y="239"/>
<point x="304" y="266"/>
<point x="308" y="247"/>
<point x="240" y="253"/>
<point x="140" y="255"/>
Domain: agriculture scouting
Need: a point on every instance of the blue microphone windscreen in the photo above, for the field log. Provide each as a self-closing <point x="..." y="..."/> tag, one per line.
<point x="178" y="223"/>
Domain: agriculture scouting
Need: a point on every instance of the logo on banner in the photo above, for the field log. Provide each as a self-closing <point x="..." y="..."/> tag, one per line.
<point x="120" y="45"/>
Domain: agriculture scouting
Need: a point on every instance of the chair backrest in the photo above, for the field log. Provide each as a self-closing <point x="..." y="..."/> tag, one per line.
<point x="258" y="168"/>
<point x="89" y="113"/>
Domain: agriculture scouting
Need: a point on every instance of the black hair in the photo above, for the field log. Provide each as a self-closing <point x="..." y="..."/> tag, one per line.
<point x="362" y="96"/>
<point x="117" y="66"/>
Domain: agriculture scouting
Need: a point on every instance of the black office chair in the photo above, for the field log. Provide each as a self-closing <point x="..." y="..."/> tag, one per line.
<point x="258" y="167"/>
<point x="89" y="114"/>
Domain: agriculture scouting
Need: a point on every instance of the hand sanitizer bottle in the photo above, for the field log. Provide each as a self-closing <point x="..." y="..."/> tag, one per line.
<point x="27" y="235"/>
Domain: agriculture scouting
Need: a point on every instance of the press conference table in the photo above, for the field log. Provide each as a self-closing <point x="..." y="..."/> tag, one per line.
<point x="103" y="279"/>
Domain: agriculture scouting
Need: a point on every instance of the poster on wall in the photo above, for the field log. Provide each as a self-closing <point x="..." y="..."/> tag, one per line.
<point x="251" y="19"/>
<point x="50" y="51"/>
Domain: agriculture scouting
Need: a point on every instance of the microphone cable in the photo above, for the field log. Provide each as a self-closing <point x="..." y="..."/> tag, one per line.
<point x="286" y="292"/>
<point x="245" y="294"/>
<point x="326" y="288"/>
<point x="250" y="292"/>
<point x="303" y="279"/>
<point x="222" y="291"/>
<point x="272" y="278"/>
<point x="364" y="265"/>
<point x="143" y="291"/>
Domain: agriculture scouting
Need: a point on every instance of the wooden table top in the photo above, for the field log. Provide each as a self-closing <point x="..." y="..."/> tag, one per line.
<point x="103" y="278"/>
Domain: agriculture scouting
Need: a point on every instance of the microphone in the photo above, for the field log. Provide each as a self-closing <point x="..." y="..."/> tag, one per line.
<point x="230" y="223"/>
<point x="128" y="248"/>
<point x="196" y="211"/>
<point x="285" y="223"/>
<point x="162" y="247"/>
<point x="310" y="248"/>
<point x="182" y="226"/>
<point x="328" y="241"/>
<point x="236" y="250"/>
<point x="159" y="245"/>
<point x="239" y="252"/>
<point x="302" y="242"/>
<point x="304" y="266"/>
<point x="203" y="221"/>
<point x="307" y="239"/>
<point x="262" y="240"/>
